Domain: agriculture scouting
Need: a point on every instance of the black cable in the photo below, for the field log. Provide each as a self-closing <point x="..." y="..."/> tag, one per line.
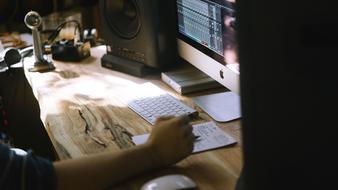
<point x="52" y="37"/>
<point x="61" y="26"/>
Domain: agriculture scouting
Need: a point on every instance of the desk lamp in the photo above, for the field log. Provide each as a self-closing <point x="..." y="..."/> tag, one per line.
<point x="33" y="21"/>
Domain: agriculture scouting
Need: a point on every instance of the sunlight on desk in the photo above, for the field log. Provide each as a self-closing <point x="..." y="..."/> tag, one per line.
<point x="88" y="101"/>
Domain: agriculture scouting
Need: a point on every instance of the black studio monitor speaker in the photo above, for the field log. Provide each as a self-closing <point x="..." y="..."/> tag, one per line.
<point x="140" y="35"/>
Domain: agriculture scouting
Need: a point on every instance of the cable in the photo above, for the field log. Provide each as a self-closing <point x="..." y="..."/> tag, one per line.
<point x="26" y="51"/>
<point x="52" y="37"/>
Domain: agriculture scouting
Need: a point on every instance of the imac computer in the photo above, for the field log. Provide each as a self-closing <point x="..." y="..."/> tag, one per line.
<point x="206" y="39"/>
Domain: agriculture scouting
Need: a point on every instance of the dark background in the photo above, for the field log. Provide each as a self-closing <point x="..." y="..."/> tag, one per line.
<point x="12" y="12"/>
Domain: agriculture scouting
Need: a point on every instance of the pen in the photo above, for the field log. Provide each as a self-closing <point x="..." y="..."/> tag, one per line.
<point x="186" y="120"/>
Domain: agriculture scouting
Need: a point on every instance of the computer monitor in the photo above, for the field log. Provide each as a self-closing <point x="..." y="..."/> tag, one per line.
<point x="206" y="39"/>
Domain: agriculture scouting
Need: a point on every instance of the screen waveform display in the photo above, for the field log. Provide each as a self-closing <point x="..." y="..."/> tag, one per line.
<point x="203" y="22"/>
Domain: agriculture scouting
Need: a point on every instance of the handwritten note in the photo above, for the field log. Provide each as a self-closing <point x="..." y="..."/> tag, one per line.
<point x="210" y="137"/>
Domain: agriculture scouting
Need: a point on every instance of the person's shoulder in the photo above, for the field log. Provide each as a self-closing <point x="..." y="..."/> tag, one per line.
<point x="4" y="148"/>
<point x="5" y="156"/>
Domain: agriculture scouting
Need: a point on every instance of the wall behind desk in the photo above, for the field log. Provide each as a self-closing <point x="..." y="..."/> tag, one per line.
<point x="12" y="12"/>
<point x="25" y="125"/>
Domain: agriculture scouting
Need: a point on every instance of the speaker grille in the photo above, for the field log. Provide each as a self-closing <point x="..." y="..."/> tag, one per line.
<point x="123" y="17"/>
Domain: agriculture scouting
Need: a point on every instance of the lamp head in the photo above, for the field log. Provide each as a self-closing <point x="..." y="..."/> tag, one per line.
<point x="33" y="20"/>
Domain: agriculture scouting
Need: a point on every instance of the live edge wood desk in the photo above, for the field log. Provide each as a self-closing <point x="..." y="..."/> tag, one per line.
<point x="82" y="113"/>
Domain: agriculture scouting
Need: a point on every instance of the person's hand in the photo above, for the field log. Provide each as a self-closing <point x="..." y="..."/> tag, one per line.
<point x="171" y="140"/>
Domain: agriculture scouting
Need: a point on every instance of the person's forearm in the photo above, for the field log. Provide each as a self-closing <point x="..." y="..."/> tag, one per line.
<point x="102" y="170"/>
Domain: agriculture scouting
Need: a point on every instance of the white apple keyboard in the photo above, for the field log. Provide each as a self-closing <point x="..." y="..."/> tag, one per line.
<point x="153" y="107"/>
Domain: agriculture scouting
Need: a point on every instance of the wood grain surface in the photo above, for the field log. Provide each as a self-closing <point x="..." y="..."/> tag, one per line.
<point x="83" y="108"/>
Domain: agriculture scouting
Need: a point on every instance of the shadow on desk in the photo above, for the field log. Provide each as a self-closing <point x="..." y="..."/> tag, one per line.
<point x="25" y="126"/>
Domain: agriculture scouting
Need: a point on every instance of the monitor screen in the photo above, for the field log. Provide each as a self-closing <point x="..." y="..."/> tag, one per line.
<point x="209" y="24"/>
<point x="206" y="38"/>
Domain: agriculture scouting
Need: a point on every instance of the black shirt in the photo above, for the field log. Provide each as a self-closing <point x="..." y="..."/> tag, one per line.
<point x="28" y="172"/>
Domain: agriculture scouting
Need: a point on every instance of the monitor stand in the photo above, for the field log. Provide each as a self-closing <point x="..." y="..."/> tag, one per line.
<point x="222" y="107"/>
<point x="125" y="65"/>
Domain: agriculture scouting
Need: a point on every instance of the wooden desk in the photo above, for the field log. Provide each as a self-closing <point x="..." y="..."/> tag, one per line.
<point x="83" y="111"/>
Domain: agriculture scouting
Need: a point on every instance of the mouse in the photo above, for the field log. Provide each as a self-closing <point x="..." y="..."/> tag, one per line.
<point x="170" y="182"/>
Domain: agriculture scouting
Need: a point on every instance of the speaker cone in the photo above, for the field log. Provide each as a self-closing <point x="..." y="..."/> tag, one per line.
<point x="123" y="17"/>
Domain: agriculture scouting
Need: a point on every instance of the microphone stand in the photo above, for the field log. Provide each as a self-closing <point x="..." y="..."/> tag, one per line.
<point x="33" y="21"/>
